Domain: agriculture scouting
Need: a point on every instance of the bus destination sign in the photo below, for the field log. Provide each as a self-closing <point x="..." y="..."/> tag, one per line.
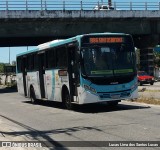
<point x="106" y="40"/>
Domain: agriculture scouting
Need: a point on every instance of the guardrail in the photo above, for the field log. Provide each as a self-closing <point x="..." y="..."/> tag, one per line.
<point x="73" y="5"/>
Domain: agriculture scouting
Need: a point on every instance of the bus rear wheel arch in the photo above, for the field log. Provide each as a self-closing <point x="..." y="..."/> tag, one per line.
<point x="66" y="99"/>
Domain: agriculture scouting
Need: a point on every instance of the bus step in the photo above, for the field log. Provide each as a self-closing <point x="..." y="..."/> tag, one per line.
<point x="74" y="103"/>
<point x="44" y="99"/>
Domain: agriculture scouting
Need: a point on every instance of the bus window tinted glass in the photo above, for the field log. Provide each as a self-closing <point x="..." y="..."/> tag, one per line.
<point x="19" y="64"/>
<point x="30" y="62"/>
<point x="61" y="57"/>
<point x="50" y="58"/>
<point x="108" y="60"/>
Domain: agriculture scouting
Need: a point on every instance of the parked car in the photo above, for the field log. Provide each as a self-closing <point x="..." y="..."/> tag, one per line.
<point x="144" y="78"/>
<point x="103" y="7"/>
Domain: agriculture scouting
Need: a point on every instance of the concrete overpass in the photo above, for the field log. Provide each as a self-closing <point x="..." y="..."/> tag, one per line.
<point x="21" y="27"/>
<point x="32" y="27"/>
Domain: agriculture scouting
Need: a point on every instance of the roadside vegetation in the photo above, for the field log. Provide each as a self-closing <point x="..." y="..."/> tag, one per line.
<point x="148" y="101"/>
<point x="2" y="67"/>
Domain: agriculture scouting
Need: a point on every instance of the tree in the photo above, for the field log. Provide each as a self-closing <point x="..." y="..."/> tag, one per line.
<point x="157" y="58"/>
<point x="1" y="67"/>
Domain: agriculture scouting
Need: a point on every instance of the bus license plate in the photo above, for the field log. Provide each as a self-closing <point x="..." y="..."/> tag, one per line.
<point x="115" y="96"/>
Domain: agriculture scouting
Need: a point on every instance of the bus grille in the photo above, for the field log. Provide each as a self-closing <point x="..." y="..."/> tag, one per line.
<point x="114" y="95"/>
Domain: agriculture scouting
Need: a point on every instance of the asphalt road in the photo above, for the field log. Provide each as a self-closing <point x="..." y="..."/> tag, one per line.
<point x="49" y="121"/>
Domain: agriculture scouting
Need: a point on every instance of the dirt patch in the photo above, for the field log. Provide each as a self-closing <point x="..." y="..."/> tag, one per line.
<point x="150" y="90"/>
<point x="149" y="94"/>
<point x="148" y="101"/>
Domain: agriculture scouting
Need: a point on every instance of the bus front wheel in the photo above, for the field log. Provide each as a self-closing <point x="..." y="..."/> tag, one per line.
<point x="32" y="95"/>
<point x="67" y="100"/>
<point x="112" y="103"/>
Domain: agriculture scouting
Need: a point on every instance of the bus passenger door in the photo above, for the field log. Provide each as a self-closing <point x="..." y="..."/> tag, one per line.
<point x="24" y="74"/>
<point x="41" y="63"/>
<point x="72" y="70"/>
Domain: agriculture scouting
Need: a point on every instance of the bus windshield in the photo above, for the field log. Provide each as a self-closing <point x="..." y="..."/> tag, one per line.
<point x="108" y="60"/>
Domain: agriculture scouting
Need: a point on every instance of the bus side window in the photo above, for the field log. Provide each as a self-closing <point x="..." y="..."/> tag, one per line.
<point x="47" y="59"/>
<point x="19" y="65"/>
<point x="30" y="62"/>
<point x="61" y="57"/>
<point x="50" y="58"/>
<point x="35" y="61"/>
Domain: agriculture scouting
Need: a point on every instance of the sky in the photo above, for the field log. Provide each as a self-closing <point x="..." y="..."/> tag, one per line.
<point x="6" y="56"/>
<point x="4" y="51"/>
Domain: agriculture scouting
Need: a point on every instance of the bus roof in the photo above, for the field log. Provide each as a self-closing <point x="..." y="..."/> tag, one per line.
<point x="64" y="41"/>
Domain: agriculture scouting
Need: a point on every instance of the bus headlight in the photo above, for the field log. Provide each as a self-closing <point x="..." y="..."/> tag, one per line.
<point x="92" y="90"/>
<point x="89" y="88"/>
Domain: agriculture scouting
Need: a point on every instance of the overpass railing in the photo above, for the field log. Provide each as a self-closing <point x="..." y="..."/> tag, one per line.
<point x="74" y="5"/>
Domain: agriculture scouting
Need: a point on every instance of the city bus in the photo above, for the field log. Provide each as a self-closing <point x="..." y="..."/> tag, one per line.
<point x="89" y="68"/>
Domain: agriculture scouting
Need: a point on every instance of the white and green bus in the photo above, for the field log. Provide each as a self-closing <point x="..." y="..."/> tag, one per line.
<point x="89" y="68"/>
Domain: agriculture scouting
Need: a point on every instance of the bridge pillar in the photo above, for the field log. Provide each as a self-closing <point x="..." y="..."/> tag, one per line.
<point x="146" y="44"/>
<point x="144" y="41"/>
<point x="147" y="60"/>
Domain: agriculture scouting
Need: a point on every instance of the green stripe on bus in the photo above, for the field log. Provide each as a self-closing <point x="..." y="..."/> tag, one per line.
<point x="123" y="71"/>
<point x="102" y="72"/>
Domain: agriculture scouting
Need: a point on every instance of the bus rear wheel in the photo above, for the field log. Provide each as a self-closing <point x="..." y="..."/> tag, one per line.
<point x="67" y="100"/>
<point x="32" y="95"/>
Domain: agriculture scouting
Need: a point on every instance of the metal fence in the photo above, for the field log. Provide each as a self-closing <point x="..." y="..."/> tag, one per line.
<point x="74" y="5"/>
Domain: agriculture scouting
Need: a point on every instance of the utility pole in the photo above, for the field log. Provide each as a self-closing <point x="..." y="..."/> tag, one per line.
<point x="9" y="55"/>
<point x="102" y="2"/>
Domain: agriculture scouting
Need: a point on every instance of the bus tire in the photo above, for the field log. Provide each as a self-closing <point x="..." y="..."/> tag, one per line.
<point x="141" y="83"/>
<point x="67" y="100"/>
<point x="151" y="83"/>
<point x="32" y="95"/>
